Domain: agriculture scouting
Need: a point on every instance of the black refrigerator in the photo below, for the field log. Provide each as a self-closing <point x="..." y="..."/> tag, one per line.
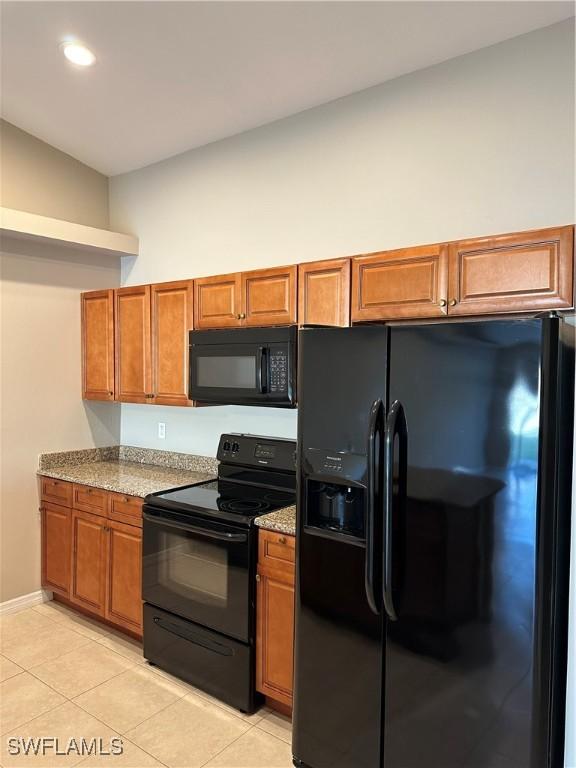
<point x="434" y="471"/>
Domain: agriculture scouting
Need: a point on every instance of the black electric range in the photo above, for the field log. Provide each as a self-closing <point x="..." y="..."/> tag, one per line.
<point x="199" y="567"/>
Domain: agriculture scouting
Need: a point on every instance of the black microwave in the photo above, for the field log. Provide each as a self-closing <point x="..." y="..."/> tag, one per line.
<point x="244" y="366"/>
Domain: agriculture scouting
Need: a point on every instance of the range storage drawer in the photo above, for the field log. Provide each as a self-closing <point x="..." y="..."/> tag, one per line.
<point x="218" y="665"/>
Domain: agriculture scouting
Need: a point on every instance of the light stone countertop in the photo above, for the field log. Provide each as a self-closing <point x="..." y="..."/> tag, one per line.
<point x="281" y="520"/>
<point x="135" y="472"/>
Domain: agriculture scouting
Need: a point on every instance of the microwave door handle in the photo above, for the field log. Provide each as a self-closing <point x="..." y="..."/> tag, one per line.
<point x="262" y="370"/>
<point x="232" y="537"/>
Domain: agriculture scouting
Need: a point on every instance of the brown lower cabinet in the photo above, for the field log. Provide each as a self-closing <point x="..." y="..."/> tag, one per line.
<point x="94" y="558"/>
<point x="275" y="617"/>
<point x="56" y="548"/>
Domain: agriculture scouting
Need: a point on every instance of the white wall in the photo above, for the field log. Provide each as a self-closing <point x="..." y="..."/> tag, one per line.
<point x="478" y="145"/>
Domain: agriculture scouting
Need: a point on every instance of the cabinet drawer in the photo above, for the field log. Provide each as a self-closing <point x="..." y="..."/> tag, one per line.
<point x="56" y="491"/>
<point x="276" y="551"/>
<point x="126" y="509"/>
<point x="89" y="499"/>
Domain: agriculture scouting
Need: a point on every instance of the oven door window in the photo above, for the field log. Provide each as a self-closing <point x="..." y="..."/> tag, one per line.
<point x="200" y="572"/>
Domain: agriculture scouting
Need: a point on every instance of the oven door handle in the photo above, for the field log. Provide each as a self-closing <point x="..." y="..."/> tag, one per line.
<point x="233" y="537"/>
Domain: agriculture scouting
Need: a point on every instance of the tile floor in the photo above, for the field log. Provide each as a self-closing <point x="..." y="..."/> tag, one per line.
<point x="66" y="677"/>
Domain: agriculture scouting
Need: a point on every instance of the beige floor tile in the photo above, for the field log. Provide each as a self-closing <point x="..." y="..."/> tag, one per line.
<point x="55" y="611"/>
<point x="90" y="628"/>
<point x="188" y="733"/>
<point x="49" y="642"/>
<point x="125" y="646"/>
<point x="8" y="669"/>
<point x="24" y="622"/>
<point x="278" y="726"/>
<point x="254" y="749"/>
<point x="23" y="698"/>
<point x="131" y="757"/>
<point x="128" y="699"/>
<point x="251" y="719"/>
<point x="64" y="724"/>
<point x="82" y="669"/>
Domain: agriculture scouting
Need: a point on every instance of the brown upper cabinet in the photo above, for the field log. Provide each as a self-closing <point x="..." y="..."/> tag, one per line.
<point x="133" y="351"/>
<point x="270" y="296"/>
<point x="523" y="272"/>
<point x="411" y="282"/>
<point x="172" y="318"/>
<point x="324" y="292"/>
<point x="258" y="298"/>
<point x="526" y="271"/>
<point x="217" y="302"/>
<point x="98" y="345"/>
<point x="152" y="324"/>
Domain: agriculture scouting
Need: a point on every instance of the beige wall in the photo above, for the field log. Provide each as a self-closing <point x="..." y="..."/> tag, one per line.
<point x="38" y="178"/>
<point x="42" y="409"/>
<point x="40" y="286"/>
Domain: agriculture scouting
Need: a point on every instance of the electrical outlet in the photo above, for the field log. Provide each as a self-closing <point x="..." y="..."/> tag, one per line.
<point x="161" y="430"/>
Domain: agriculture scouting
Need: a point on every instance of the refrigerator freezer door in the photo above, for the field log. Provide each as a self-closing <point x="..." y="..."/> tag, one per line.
<point x="461" y="659"/>
<point x="338" y="634"/>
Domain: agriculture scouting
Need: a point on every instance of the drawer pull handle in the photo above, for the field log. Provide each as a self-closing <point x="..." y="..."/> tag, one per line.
<point x="282" y="540"/>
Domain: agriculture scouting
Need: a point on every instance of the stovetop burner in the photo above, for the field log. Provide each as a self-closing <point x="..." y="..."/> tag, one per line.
<point x="244" y="506"/>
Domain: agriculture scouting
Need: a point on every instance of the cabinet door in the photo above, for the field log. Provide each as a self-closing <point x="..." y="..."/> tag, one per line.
<point x="56" y="548"/>
<point x="88" y="582"/>
<point x="411" y="282"/>
<point x="324" y="293"/>
<point x="270" y="296"/>
<point x="98" y="345"/>
<point x="217" y="302"/>
<point x="133" y="352"/>
<point x="512" y="273"/>
<point x="171" y="320"/>
<point x="275" y="636"/>
<point x="124" y="578"/>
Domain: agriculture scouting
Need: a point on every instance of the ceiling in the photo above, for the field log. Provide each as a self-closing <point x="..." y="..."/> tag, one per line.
<point x="171" y="76"/>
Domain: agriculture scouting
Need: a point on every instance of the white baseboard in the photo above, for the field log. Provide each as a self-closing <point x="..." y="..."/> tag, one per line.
<point x="25" y="601"/>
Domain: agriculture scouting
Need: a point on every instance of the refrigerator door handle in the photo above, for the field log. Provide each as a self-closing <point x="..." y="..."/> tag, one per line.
<point x="375" y="422"/>
<point x="395" y="425"/>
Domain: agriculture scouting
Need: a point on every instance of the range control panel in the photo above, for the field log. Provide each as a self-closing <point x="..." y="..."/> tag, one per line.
<point x="257" y="451"/>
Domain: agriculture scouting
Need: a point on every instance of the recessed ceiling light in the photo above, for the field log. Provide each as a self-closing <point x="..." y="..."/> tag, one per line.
<point x="78" y="54"/>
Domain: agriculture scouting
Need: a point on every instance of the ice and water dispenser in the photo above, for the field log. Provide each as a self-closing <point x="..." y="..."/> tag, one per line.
<point x="335" y="496"/>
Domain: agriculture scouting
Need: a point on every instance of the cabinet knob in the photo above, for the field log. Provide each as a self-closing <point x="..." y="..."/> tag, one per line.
<point x="453" y="302"/>
<point x="111" y="393"/>
<point x="282" y="539"/>
<point x="442" y="302"/>
<point x="257" y="577"/>
<point x="242" y="316"/>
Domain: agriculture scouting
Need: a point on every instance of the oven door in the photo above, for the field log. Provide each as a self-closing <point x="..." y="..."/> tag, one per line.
<point x="241" y="374"/>
<point x="198" y="570"/>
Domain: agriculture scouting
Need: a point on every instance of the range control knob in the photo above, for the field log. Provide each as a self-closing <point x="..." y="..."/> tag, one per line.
<point x="235" y="447"/>
<point x="226" y="445"/>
